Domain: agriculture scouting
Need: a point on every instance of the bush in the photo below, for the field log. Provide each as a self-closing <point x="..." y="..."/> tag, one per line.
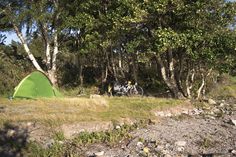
<point x="12" y="70"/>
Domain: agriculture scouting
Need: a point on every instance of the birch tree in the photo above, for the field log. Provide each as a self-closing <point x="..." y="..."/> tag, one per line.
<point x="42" y="17"/>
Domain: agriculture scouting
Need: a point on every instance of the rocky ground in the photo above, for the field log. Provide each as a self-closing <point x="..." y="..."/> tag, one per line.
<point x="209" y="131"/>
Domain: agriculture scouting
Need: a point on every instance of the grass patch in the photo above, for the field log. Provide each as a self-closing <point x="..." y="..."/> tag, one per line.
<point x="226" y="88"/>
<point x="55" y="112"/>
<point x="207" y="143"/>
<point x="108" y="137"/>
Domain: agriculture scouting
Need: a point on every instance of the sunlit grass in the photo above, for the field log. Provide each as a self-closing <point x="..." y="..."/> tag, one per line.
<point x="70" y="110"/>
<point x="225" y="89"/>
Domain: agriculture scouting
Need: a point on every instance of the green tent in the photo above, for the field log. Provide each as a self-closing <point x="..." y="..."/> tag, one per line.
<point x="36" y="85"/>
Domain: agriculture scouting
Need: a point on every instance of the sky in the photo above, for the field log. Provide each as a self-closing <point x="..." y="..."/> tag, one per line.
<point x="12" y="36"/>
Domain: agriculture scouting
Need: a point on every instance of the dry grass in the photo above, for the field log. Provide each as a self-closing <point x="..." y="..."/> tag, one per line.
<point x="68" y="110"/>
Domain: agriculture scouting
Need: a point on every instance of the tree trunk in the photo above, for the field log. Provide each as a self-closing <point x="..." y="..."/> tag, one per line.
<point x="201" y="87"/>
<point x="120" y="60"/>
<point x="44" y="30"/>
<point x="81" y="78"/>
<point x="135" y="75"/>
<point x="27" y="50"/>
<point x="104" y="69"/>
<point x="121" y="65"/>
<point x="179" y="73"/>
<point x="200" y="91"/>
<point x="104" y="77"/>
<point x="189" y="82"/>
<point x="113" y="65"/>
<point x="169" y="79"/>
<point x="52" y="71"/>
<point x="48" y="55"/>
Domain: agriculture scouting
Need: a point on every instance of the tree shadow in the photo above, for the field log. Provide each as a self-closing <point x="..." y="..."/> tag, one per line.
<point x="13" y="140"/>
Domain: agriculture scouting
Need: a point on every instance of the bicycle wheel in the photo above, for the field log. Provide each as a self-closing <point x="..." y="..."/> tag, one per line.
<point x="136" y="91"/>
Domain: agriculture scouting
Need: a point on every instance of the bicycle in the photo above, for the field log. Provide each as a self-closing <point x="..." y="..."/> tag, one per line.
<point x="127" y="89"/>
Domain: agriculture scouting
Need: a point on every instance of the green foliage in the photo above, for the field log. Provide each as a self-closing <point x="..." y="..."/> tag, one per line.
<point x="13" y="67"/>
<point x="59" y="136"/>
<point x="34" y="149"/>
<point x="207" y="142"/>
<point x="118" y="36"/>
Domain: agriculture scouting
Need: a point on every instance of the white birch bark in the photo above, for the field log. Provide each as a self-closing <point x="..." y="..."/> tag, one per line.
<point x="52" y="71"/>
<point x="163" y="72"/>
<point x="27" y="50"/>
<point x="47" y="45"/>
<point x="48" y="55"/>
<point x="189" y="83"/>
<point x="203" y="84"/>
<point x="201" y="87"/>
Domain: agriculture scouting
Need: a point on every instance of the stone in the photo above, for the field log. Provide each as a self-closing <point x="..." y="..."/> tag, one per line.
<point x="211" y="117"/>
<point x="185" y="111"/>
<point x="180" y="143"/>
<point x="196" y="111"/>
<point x="233" y="121"/>
<point x="60" y="142"/>
<point x="123" y="147"/>
<point x="117" y="127"/>
<point x="49" y="143"/>
<point x="211" y="113"/>
<point x="167" y="155"/>
<point x="161" y="114"/>
<point x="166" y="152"/>
<point x="140" y="145"/>
<point x="212" y="102"/>
<point x="29" y="124"/>
<point x="159" y="148"/>
<point x="167" y="145"/>
<point x="216" y="110"/>
<point x="233" y="152"/>
<point x="222" y="104"/>
<point x="10" y="133"/>
<point x="99" y="153"/>
<point x="168" y="114"/>
<point x="146" y="150"/>
<point x="180" y="149"/>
